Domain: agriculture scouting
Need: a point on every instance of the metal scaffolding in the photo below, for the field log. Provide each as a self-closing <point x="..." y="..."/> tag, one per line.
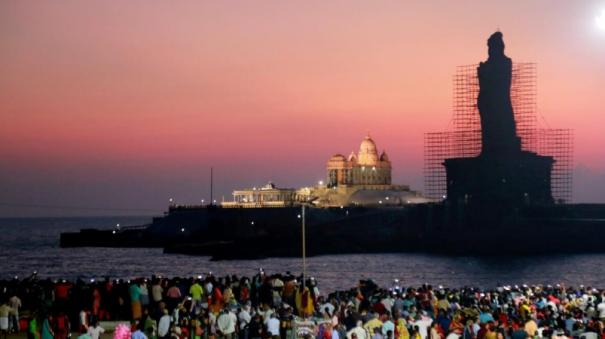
<point x="464" y="137"/>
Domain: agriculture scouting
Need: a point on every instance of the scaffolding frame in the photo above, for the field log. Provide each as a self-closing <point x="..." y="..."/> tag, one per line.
<point x="464" y="138"/>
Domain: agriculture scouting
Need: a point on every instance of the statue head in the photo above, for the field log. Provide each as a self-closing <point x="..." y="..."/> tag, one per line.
<point x="495" y="45"/>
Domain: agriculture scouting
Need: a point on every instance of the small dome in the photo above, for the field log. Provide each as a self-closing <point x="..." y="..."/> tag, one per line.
<point x="384" y="156"/>
<point x="368" y="155"/>
<point x="338" y="157"/>
<point x="353" y="157"/>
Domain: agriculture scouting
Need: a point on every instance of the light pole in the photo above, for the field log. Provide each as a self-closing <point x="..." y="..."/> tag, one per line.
<point x="304" y="249"/>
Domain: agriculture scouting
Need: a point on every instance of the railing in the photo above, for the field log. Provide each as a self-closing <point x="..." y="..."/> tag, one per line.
<point x="235" y="204"/>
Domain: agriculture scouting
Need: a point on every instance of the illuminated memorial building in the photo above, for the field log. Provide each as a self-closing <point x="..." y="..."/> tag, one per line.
<point x="362" y="179"/>
<point x="365" y="168"/>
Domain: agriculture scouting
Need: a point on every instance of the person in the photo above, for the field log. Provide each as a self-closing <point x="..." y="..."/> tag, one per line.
<point x="157" y="291"/>
<point x="197" y="292"/>
<point x="135" y="300"/>
<point x="358" y="332"/>
<point x="15" y="304"/>
<point x="423" y="322"/>
<point x="335" y="334"/>
<point x="84" y="317"/>
<point x="434" y="332"/>
<point x="144" y="293"/>
<point x="489" y="331"/>
<point x="387" y="325"/>
<point x="61" y="326"/>
<point x="32" y="328"/>
<point x="402" y="329"/>
<point x="273" y="326"/>
<point x="244" y="319"/>
<point x="47" y="331"/>
<point x="164" y="325"/>
<point x="84" y="334"/>
<point x="4" y="312"/>
<point x="173" y="295"/>
<point x="372" y="324"/>
<point x="139" y="333"/>
<point x="377" y="333"/>
<point x="455" y="334"/>
<point x="95" y="330"/>
<point x="255" y="330"/>
<point x="601" y="308"/>
<point x="226" y="323"/>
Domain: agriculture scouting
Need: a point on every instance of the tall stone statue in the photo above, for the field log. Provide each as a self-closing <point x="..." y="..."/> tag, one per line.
<point x="503" y="174"/>
<point x="498" y="129"/>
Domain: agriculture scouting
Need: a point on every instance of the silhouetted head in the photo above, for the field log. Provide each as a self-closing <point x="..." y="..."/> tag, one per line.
<point x="495" y="45"/>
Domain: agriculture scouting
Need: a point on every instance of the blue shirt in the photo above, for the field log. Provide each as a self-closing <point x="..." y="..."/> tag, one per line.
<point x="138" y="335"/>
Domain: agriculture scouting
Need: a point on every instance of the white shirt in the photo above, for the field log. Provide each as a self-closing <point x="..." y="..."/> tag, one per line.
<point x="164" y="325"/>
<point x="226" y="323"/>
<point x="360" y="331"/>
<point x="95" y="332"/>
<point x="156" y="292"/>
<point x="329" y="306"/>
<point x="273" y="326"/>
<point x="244" y="318"/>
<point x="601" y="309"/>
<point x="423" y="326"/>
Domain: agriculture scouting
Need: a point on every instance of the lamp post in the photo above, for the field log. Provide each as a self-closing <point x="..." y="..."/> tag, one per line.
<point x="304" y="249"/>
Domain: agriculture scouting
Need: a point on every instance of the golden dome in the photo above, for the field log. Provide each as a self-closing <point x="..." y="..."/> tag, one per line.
<point x="338" y="157"/>
<point x="368" y="155"/>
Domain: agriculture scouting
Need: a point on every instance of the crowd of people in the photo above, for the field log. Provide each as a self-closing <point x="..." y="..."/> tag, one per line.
<point x="283" y="306"/>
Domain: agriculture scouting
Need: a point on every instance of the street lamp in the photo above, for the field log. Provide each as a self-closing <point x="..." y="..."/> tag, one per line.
<point x="304" y="248"/>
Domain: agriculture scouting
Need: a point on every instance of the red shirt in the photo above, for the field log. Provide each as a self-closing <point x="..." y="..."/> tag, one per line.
<point x="62" y="291"/>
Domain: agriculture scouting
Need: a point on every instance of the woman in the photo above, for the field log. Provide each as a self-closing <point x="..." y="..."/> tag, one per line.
<point x="402" y="329"/>
<point x="32" y="328"/>
<point x="47" y="331"/>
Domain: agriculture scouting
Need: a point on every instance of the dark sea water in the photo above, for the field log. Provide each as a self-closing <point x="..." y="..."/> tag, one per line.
<point x="33" y="244"/>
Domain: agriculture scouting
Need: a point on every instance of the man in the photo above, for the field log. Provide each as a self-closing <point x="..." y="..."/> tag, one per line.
<point x="139" y="334"/>
<point x="388" y="325"/>
<point x="373" y="323"/>
<point x="156" y="291"/>
<point x="164" y="325"/>
<point x="244" y="319"/>
<point x="95" y="331"/>
<point x="226" y="324"/>
<point x="273" y="327"/>
<point x="197" y="292"/>
<point x="601" y="308"/>
<point x="423" y="322"/>
<point x="358" y="332"/>
<point x="531" y="327"/>
<point x="455" y="334"/>
<point x="377" y="333"/>
<point x="15" y="304"/>
<point x="4" y="312"/>
<point x="84" y="334"/>
<point x="255" y="329"/>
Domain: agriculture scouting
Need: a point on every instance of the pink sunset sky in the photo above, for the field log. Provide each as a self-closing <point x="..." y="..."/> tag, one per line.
<point x="124" y="104"/>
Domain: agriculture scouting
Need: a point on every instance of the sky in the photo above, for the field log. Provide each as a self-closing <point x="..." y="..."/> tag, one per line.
<point x="114" y="107"/>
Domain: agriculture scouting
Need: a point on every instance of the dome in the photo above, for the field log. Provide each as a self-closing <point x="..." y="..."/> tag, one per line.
<point x="338" y="157"/>
<point x="368" y="155"/>
<point x="384" y="156"/>
<point x="353" y="157"/>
